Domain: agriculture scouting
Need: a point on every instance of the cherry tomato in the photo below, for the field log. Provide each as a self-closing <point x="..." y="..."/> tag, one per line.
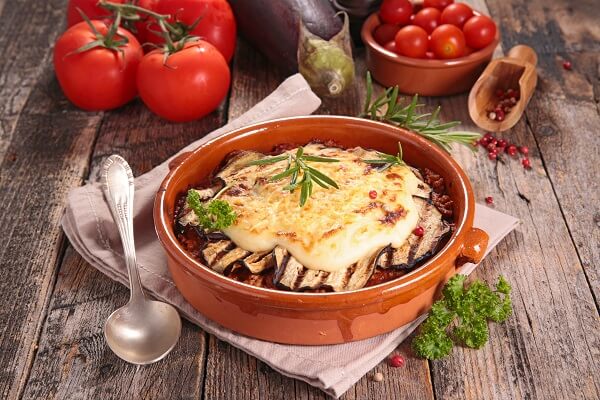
<point x="456" y="14"/>
<point x="429" y="55"/>
<point x="479" y="31"/>
<point x="385" y="33"/>
<point x="395" y="11"/>
<point x="216" y="22"/>
<point x="447" y="41"/>
<point x="391" y="46"/>
<point x="191" y="84"/>
<point x="412" y="41"/>
<point x="439" y="4"/>
<point x="89" y="7"/>
<point x="99" y="78"/>
<point x="428" y="19"/>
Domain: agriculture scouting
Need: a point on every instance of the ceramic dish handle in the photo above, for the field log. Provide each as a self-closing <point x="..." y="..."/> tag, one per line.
<point x="474" y="247"/>
<point x="178" y="159"/>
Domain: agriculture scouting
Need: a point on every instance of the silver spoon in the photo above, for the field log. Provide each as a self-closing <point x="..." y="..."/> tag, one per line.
<point x="143" y="331"/>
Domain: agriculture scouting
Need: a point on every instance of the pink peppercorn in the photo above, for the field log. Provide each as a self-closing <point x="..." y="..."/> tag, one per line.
<point x="396" y="361"/>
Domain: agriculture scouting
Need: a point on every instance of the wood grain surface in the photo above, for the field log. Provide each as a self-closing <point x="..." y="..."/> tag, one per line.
<point x="53" y="304"/>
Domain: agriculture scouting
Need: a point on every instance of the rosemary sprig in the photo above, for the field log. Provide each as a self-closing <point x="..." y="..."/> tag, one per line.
<point x="301" y="174"/>
<point x="387" y="160"/>
<point x="427" y="125"/>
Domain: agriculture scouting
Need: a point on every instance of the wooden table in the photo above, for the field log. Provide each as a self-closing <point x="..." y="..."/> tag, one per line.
<point x="53" y="305"/>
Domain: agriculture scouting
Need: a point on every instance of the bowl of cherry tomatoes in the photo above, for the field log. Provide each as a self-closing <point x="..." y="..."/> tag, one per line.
<point x="433" y="48"/>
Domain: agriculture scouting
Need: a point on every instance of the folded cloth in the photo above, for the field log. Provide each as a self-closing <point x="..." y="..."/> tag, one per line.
<point x="334" y="369"/>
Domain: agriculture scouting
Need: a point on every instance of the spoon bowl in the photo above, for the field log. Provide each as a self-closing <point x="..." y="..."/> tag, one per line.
<point x="143" y="331"/>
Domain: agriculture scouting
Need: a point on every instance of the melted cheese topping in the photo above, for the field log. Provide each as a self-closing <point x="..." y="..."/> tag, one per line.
<point x="336" y="227"/>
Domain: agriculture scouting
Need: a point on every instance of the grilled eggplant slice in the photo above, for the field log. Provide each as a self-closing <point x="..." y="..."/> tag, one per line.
<point x="238" y="161"/>
<point x="289" y="273"/>
<point x="416" y="249"/>
<point x="220" y="255"/>
<point x="259" y="262"/>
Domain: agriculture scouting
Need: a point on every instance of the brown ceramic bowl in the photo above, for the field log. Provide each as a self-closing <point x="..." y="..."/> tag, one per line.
<point x="423" y="76"/>
<point x="316" y="318"/>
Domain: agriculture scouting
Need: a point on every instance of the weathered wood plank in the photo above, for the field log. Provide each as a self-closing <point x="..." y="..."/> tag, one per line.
<point x="549" y="348"/>
<point x="232" y="374"/>
<point x="74" y="361"/>
<point x="563" y="114"/>
<point x="49" y="153"/>
<point x="26" y="30"/>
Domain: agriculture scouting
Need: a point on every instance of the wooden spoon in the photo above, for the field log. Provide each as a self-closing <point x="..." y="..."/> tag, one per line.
<point x="517" y="70"/>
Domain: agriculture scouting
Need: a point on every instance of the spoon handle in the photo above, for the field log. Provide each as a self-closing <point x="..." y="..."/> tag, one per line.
<point x="117" y="184"/>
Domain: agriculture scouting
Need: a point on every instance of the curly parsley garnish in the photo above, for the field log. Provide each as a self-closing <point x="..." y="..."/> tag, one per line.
<point x="214" y="215"/>
<point x="473" y="305"/>
<point x="387" y="160"/>
<point x="301" y="174"/>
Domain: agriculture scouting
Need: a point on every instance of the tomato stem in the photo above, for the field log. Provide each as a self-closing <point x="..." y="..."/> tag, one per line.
<point x="175" y="35"/>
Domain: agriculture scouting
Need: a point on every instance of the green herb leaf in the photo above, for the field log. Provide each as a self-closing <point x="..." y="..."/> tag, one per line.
<point x="268" y="160"/>
<point x="386" y="108"/>
<point x="472" y="307"/>
<point x="387" y="160"/>
<point x="297" y="167"/>
<point x="213" y="216"/>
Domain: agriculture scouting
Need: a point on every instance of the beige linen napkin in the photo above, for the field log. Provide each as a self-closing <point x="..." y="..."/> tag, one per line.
<point x="334" y="369"/>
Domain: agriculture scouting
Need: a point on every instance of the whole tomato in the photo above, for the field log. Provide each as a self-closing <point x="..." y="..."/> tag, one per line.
<point x="396" y="11"/>
<point x="456" y="14"/>
<point x="391" y="46"/>
<point x="479" y="31"/>
<point x="385" y="33"/>
<point x="89" y="7"/>
<point x="190" y="84"/>
<point x="439" y="4"/>
<point x="428" y="18"/>
<point x="411" y="41"/>
<point x="102" y="77"/>
<point x="447" y="41"/>
<point x="214" y="21"/>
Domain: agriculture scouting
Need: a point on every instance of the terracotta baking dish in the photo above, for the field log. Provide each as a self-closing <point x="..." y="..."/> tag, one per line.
<point x="316" y="318"/>
<point x="422" y="76"/>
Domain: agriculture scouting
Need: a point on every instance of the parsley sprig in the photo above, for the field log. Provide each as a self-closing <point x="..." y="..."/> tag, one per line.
<point x="387" y="160"/>
<point x="473" y="306"/>
<point x="301" y="174"/>
<point x="386" y="108"/>
<point x="214" y="215"/>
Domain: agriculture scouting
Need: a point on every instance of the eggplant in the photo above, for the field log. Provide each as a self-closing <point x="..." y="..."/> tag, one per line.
<point x="417" y="249"/>
<point x="292" y="275"/>
<point x="222" y="255"/>
<point x="300" y="35"/>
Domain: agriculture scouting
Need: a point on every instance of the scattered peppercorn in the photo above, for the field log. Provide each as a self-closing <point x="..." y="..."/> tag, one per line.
<point x="373" y="194"/>
<point x="496" y="147"/>
<point x="396" y="361"/>
<point x="419" y="231"/>
<point x="512" y="150"/>
<point x="567" y="65"/>
<point x="489" y="200"/>
<point x="378" y="377"/>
